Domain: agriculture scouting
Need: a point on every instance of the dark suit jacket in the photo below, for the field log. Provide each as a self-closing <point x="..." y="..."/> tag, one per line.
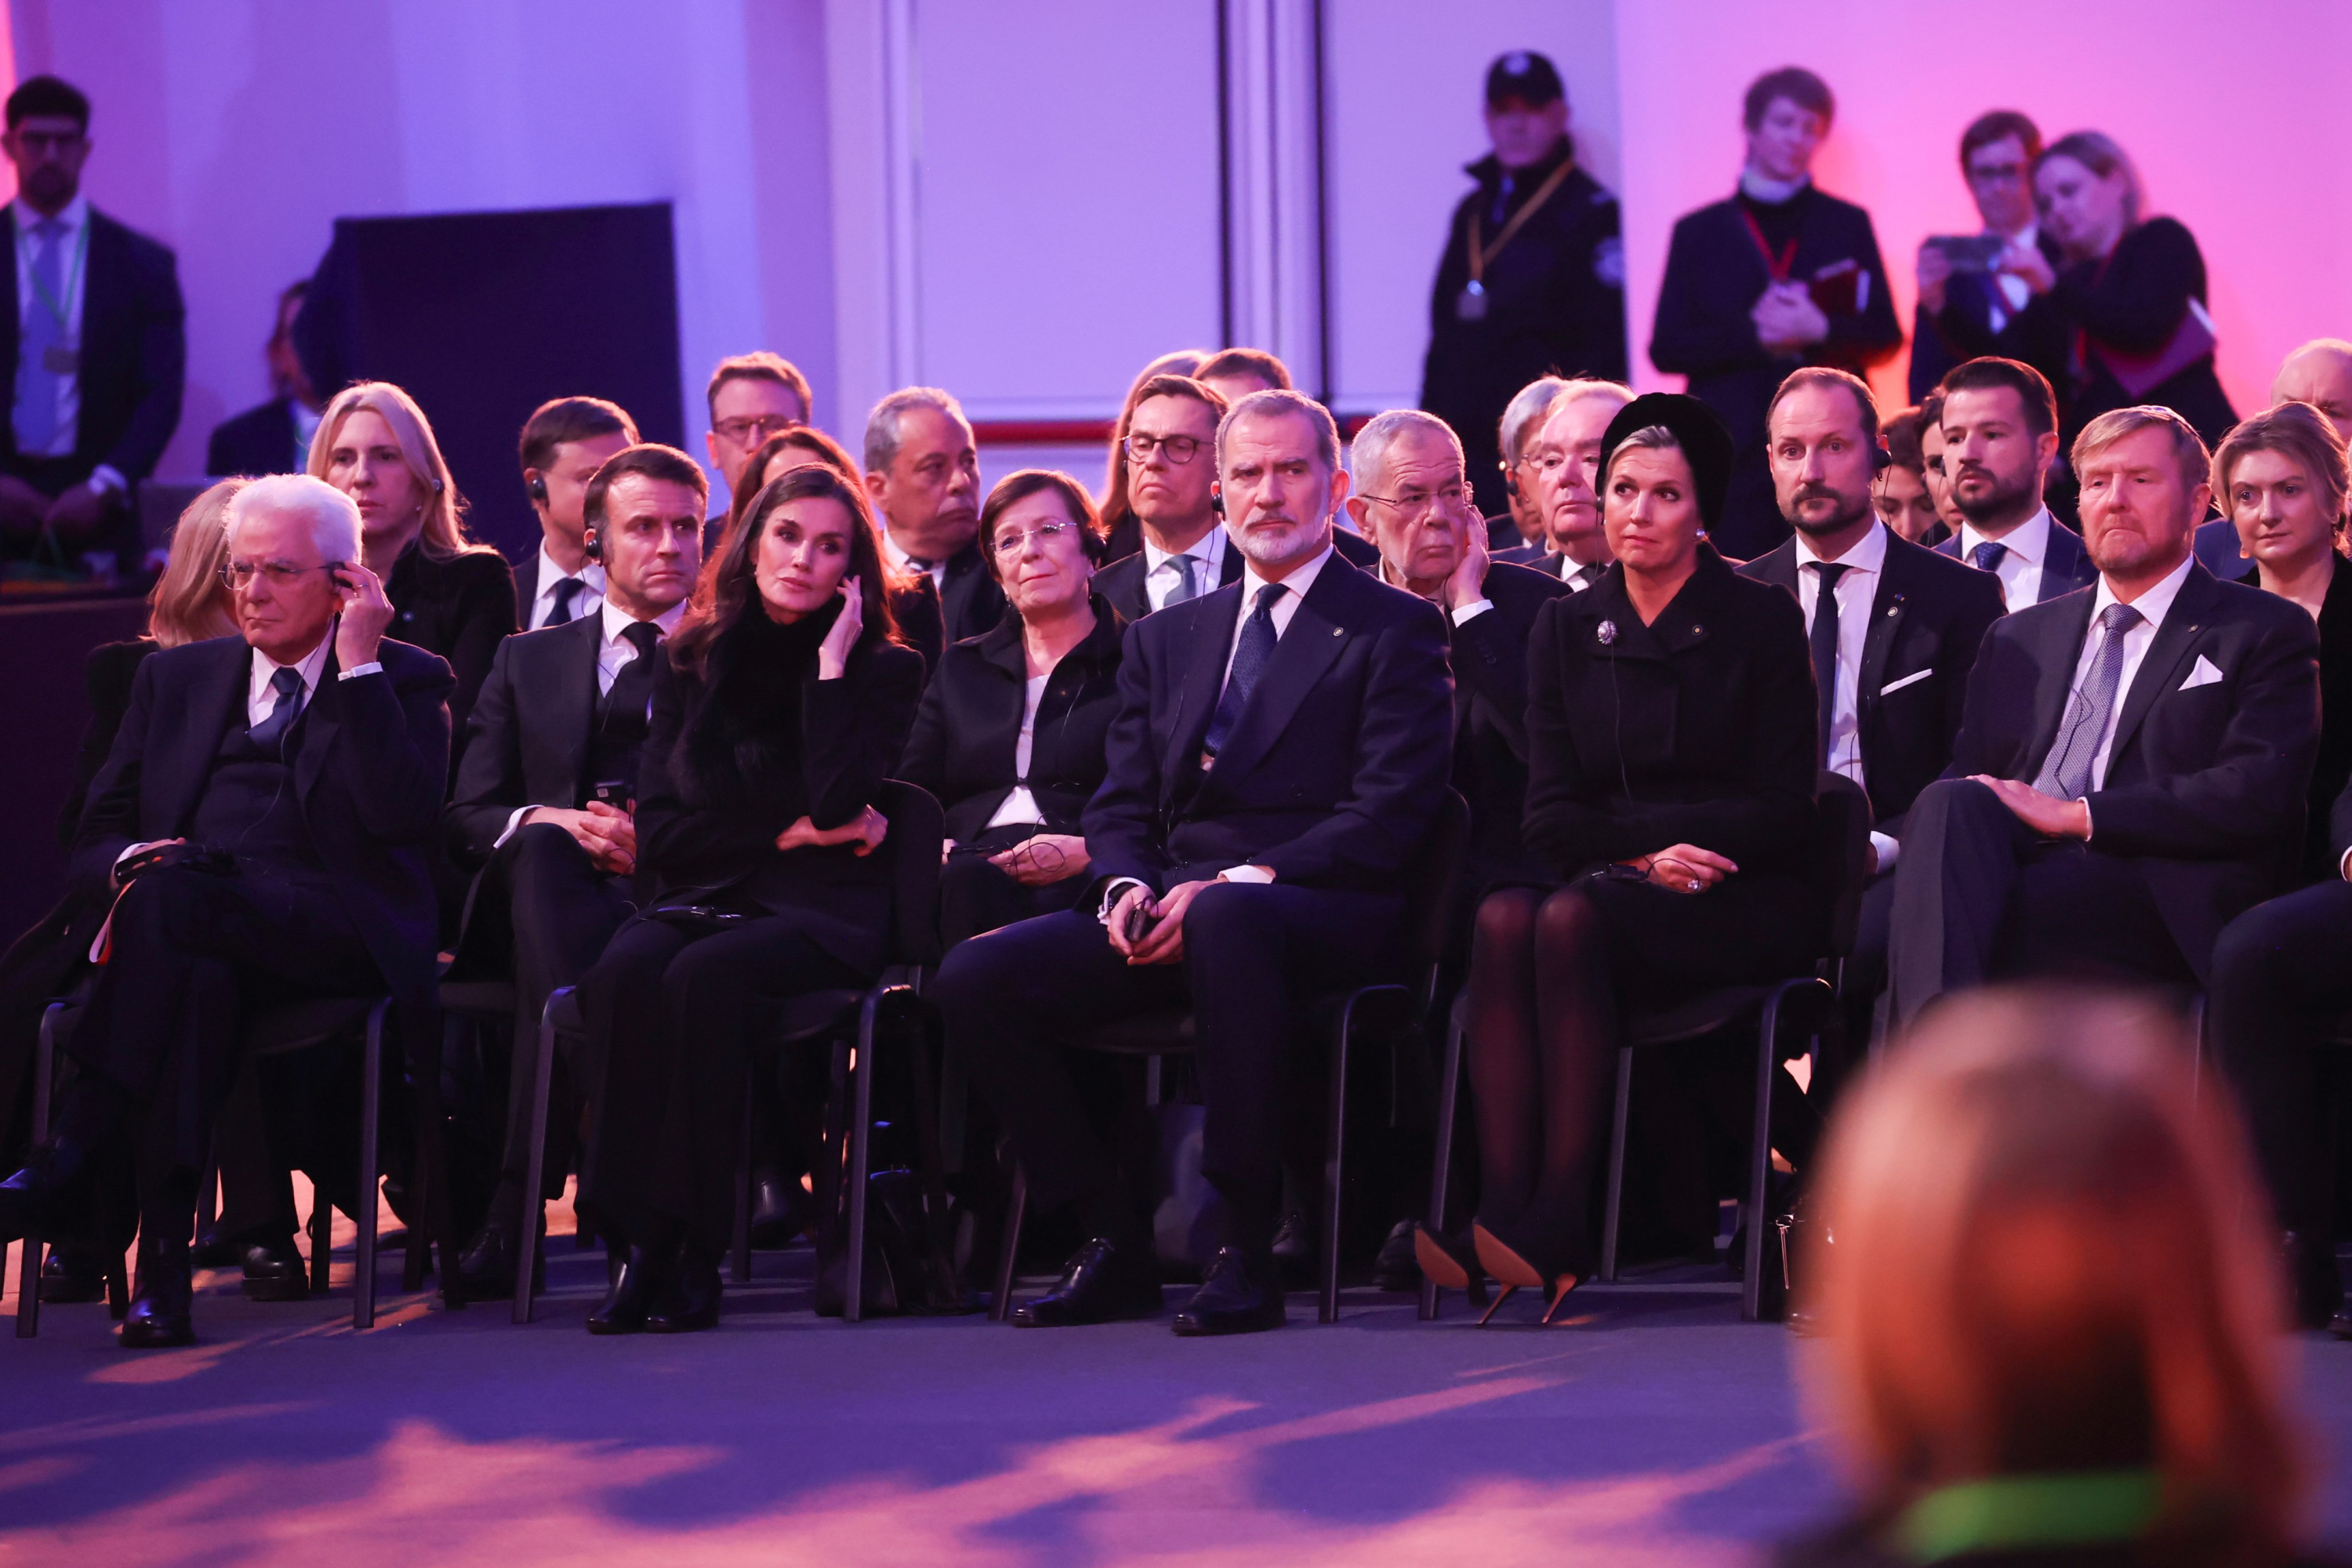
<point x="526" y="740"/>
<point x="1927" y="622"/>
<point x="1333" y="773"/>
<point x="2066" y="565"/>
<point x="968" y="726"/>
<point x="2205" y="787"/>
<point x="1490" y="716"/>
<point x="1519" y="554"/>
<point x="1356" y="550"/>
<point x="1697" y="729"/>
<point x="1121" y="581"/>
<point x="929" y="621"/>
<point x="2322" y="849"/>
<point x="134" y="351"/>
<point x="259" y="441"/>
<point x="374" y="761"/>
<point x="105" y="676"/>
<point x="459" y="608"/>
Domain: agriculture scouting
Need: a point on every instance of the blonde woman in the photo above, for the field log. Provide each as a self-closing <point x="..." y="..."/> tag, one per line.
<point x="2052" y="1329"/>
<point x="449" y="595"/>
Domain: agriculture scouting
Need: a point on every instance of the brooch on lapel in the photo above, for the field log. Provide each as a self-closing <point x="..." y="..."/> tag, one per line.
<point x="1608" y="633"/>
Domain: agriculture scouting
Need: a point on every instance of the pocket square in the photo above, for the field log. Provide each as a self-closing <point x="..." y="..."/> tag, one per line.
<point x="2205" y="674"/>
<point x="1891" y="687"/>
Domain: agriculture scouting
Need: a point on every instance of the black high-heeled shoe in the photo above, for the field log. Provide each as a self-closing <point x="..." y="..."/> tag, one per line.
<point x="1450" y="1262"/>
<point x="1517" y="1263"/>
<point x="691" y="1302"/>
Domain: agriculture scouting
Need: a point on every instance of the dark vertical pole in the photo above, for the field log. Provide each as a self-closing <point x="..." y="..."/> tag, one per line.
<point x="1224" y="173"/>
<point x="1322" y="216"/>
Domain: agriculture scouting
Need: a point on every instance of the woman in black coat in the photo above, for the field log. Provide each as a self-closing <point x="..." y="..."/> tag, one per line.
<point x="785" y="703"/>
<point x="1011" y="733"/>
<point x="1670" y="759"/>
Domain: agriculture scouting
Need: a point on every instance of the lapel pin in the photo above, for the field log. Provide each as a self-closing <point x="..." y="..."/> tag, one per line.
<point x="1608" y="633"/>
<point x="1336" y="631"/>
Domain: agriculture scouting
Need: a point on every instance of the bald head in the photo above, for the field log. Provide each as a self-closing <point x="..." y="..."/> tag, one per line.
<point x="2319" y="373"/>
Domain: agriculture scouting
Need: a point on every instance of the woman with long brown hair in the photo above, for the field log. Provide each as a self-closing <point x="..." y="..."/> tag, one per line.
<point x="782" y="707"/>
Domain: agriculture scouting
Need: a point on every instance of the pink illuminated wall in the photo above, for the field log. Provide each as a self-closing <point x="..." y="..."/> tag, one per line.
<point x="2231" y="112"/>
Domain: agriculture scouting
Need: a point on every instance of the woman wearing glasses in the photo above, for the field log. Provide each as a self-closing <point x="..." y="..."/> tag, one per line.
<point x="1010" y="733"/>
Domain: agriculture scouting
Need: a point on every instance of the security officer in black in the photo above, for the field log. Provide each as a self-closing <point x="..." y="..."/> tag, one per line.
<point x="1533" y="280"/>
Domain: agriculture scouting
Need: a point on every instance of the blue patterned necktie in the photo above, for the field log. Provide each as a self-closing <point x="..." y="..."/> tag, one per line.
<point x="1988" y="556"/>
<point x="2066" y="772"/>
<point x="1256" y="646"/>
<point x="41" y="334"/>
<point x="271" y="730"/>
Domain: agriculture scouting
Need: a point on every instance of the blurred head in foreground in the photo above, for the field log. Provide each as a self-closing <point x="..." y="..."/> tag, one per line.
<point x="2044" y="1261"/>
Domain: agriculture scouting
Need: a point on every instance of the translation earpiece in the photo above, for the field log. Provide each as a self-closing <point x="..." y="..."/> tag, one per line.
<point x="1217" y="503"/>
<point x="538" y="488"/>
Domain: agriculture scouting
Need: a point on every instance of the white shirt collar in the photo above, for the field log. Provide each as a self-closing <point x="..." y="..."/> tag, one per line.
<point x="551" y="571"/>
<point x="1868" y="554"/>
<point x="1762" y="187"/>
<point x="2153" y="604"/>
<point x="618" y="620"/>
<point x="312" y="665"/>
<point x="1298" y="582"/>
<point x="1209" y="550"/>
<point x="2028" y="540"/>
<point x="75" y="213"/>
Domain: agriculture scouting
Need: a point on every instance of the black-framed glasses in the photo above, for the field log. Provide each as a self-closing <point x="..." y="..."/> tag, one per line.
<point x="1997" y="174"/>
<point x="1010" y="543"/>
<point x="1175" y="448"/>
<point x="1416" y="503"/>
<point x="237" y="575"/>
<point x="752" y="430"/>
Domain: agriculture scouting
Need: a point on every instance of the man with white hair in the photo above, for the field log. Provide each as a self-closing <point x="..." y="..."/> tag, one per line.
<point x="923" y="470"/>
<point x="261" y="829"/>
<point x="1517" y="533"/>
<point x="1563" y="467"/>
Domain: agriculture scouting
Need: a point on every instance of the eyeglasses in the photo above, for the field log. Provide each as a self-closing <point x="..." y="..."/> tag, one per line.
<point x="237" y="575"/>
<point x="1010" y="543"/>
<point x="752" y="431"/>
<point x="1997" y="174"/>
<point x="1176" y="448"/>
<point x="1416" y="503"/>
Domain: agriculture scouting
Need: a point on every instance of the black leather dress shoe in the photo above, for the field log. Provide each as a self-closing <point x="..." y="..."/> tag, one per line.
<point x="214" y="1250"/>
<point x="275" y="1271"/>
<point x="1240" y="1295"/>
<point x="487" y="1267"/>
<point x="73" y="1274"/>
<point x="638" y="1286"/>
<point x="779" y="1213"/>
<point x="1100" y="1283"/>
<point x="1294" y="1251"/>
<point x="1396" y="1268"/>
<point x="691" y="1302"/>
<point x="159" y="1301"/>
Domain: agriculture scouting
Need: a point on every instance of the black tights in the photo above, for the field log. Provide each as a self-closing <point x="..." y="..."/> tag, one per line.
<point x="1542" y="1039"/>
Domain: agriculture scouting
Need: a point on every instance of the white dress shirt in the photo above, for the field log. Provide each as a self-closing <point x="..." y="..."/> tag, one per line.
<point x="261" y="697"/>
<point x="592" y="590"/>
<point x="1020" y="807"/>
<point x="614" y="653"/>
<point x="1163" y="576"/>
<point x="1572" y="571"/>
<point x="2020" y="570"/>
<point x="73" y="273"/>
<point x="1458" y="615"/>
<point x="2152" y="607"/>
<point x="936" y="571"/>
<point x="1857" y="592"/>
<point x="1285" y="608"/>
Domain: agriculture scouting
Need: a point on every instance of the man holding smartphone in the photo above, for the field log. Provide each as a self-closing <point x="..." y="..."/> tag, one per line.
<point x="1986" y="277"/>
<point x="545" y="788"/>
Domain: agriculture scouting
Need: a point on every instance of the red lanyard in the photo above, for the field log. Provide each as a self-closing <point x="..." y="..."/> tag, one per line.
<point x="1779" y="268"/>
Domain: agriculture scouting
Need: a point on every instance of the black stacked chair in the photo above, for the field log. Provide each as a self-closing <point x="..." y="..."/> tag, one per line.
<point x="849" y="1017"/>
<point x="1788" y="1017"/>
<point x="1400" y="1005"/>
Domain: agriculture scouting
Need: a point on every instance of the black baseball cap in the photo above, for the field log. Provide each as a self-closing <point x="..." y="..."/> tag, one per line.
<point x="1526" y="76"/>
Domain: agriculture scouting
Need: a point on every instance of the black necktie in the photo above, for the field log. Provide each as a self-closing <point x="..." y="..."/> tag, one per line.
<point x="567" y="589"/>
<point x="1825" y="645"/>
<point x="633" y="690"/>
<point x="287" y="684"/>
<point x="1249" y="662"/>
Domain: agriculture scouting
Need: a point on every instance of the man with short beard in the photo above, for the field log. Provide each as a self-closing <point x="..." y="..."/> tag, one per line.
<point x="1894" y="628"/>
<point x="2000" y="429"/>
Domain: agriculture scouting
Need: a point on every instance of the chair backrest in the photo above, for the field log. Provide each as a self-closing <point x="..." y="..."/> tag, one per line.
<point x="918" y="830"/>
<point x="1841" y="857"/>
<point x="1429" y="878"/>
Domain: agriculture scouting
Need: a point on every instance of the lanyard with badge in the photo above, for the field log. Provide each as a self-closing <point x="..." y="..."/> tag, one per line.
<point x="1472" y="304"/>
<point x="60" y="358"/>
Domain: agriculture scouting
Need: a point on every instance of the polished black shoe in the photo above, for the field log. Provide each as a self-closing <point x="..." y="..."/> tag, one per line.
<point x="691" y="1302"/>
<point x="487" y="1267"/>
<point x="779" y="1213"/>
<point x="275" y="1271"/>
<point x="73" y="1274"/>
<point x="159" y="1303"/>
<point x="1239" y="1296"/>
<point x="638" y="1286"/>
<point x="1100" y="1283"/>
<point x="1294" y="1251"/>
<point x="1398" y="1265"/>
<point x="214" y="1250"/>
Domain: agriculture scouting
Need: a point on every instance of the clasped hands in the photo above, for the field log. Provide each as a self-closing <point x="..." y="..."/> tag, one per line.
<point x="607" y="833"/>
<point x="1787" y="320"/>
<point x="1684" y="868"/>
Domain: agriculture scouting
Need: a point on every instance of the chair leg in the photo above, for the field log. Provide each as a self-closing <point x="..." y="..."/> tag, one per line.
<point x="1760" y="1163"/>
<point x="861" y="1129"/>
<point x="371" y="1168"/>
<point x="1442" y="1161"/>
<point x="738" y="1241"/>
<point x="1017" y="1209"/>
<point x="1335" y="1141"/>
<point x="321" y="1231"/>
<point x="28" y="1263"/>
<point x="1616" y="1203"/>
<point x="534" y="1170"/>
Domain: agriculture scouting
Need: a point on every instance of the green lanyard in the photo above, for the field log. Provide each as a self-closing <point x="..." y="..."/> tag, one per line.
<point x="62" y="314"/>
<point x="2006" y="1513"/>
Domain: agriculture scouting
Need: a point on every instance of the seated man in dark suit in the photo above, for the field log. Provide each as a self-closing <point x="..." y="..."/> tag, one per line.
<point x="1281" y="748"/>
<point x="1895" y="629"/>
<point x="1516" y="534"/>
<point x="1172" y="476"/>
<point x="922" y="469"/>
<point x="545" y="791"/>
<point x="1563" y="470"/>
<point x="2131" y="767"/>
<point x="563" y="443"/>
<point x="1999" y="422"/>
<point x="267" y="812"/>
<point x="272" y="437"/>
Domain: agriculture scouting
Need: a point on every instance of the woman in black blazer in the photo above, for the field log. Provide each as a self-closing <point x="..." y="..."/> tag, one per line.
<point x="1671" y="760"/>
<point x="2283" y="479"/>
<point x="785" y="703"/>
<point x="1010" y="733"/>
<point x="450" y="595"/>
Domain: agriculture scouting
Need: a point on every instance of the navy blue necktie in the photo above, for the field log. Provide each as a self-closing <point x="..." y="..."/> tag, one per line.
<point x="1988" y="556"/>
<point x="567" y="589"/>
<point x="1825" y="645"/>
<point x="1249" y="662"/>
<point x="287" y="684"/>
